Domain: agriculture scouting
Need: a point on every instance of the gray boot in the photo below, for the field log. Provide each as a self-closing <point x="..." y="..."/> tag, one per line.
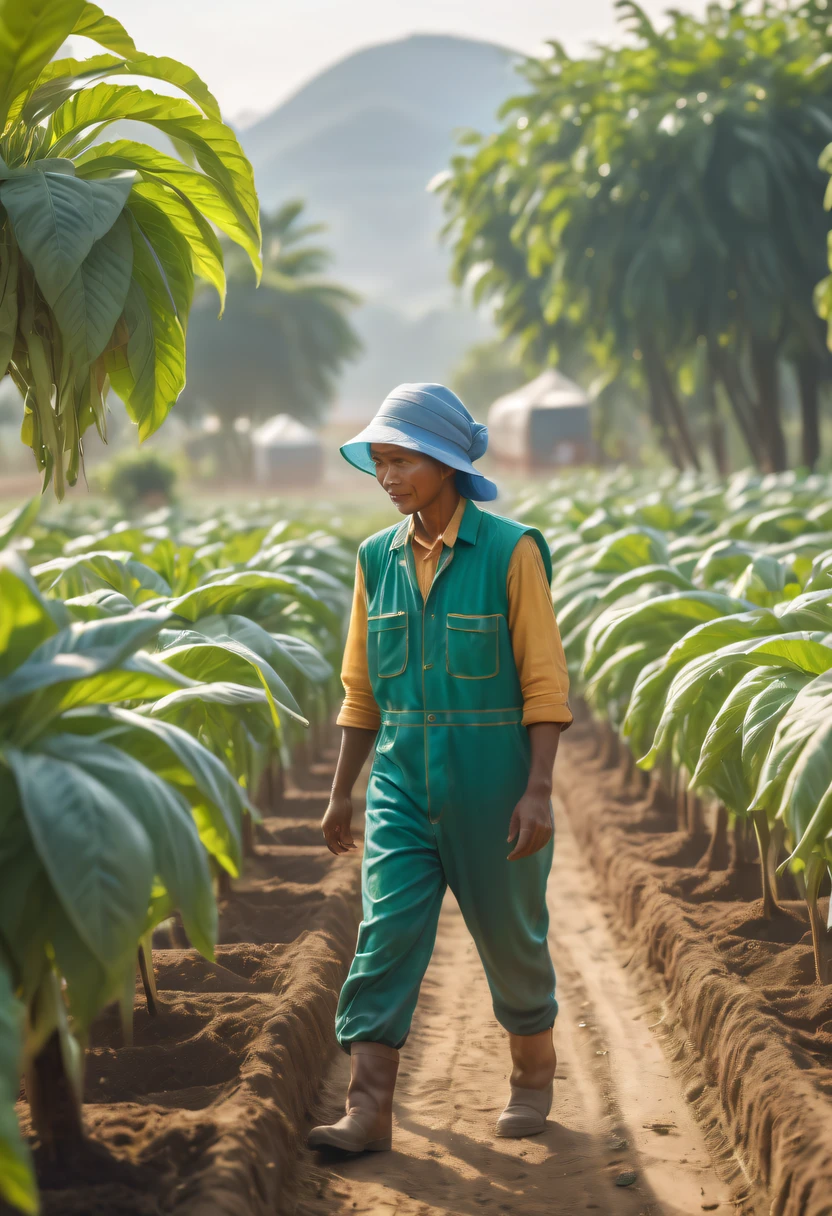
<point x="526" y="1112"/>
<point x="368" y="1124"/>
<point x="534" y="1062"/>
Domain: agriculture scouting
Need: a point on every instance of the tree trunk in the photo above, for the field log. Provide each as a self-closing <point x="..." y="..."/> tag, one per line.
<point x="766" y="371"/>
<point x="741" y="404"/>
<point x="716" y="427"/>
<point x="677" y="413"/>
<point x="658" y="411"/>
<point x="808" y="380"/>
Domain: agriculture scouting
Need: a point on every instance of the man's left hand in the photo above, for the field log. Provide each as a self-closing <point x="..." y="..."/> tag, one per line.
<point x="531" y="825"/>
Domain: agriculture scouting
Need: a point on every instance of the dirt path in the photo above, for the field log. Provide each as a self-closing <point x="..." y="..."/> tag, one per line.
<point x="618" y="1106"/>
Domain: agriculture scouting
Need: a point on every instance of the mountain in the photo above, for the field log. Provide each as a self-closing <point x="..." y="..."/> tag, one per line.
<point x="360" y="143"/>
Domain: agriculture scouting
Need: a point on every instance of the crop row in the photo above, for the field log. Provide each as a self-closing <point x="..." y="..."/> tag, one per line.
<point x="153" y="678"/>
<point x="697" y="623"/>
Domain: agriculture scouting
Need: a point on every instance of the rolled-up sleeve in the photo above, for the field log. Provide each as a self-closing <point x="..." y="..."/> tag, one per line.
<point x="359" y="707"/>
<point x="535" y="638"/>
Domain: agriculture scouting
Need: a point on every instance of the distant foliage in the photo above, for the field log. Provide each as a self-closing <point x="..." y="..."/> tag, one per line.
<point x="660" y="202"/>
<point x="139" y="479"/>
<point x="280" y="347"/>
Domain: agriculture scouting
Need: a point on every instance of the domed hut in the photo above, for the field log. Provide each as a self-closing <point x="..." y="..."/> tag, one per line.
<point x="286" y="453"/>
<point x="543" y="425"/>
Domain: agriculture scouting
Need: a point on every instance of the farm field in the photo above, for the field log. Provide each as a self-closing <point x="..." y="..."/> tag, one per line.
<point x="689" y="898"/>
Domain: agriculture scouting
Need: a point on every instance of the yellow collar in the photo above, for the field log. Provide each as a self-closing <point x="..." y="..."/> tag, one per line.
<point x="449" y="536"/>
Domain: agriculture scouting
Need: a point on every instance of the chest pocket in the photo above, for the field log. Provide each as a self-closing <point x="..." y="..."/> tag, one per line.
<point x="473" y="646"/>
<point x="387" y="644"/>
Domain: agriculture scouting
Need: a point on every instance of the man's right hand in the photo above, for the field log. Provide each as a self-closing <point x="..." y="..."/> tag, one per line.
<point x="336" y="824"/>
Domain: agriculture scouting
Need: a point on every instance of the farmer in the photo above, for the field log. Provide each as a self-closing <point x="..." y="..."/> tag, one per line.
<point x="454" y="668"/>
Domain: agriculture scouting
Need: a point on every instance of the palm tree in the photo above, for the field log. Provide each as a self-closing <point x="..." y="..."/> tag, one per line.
<point x="280" y="347"/>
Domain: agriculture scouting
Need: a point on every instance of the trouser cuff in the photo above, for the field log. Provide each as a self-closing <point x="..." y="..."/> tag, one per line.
<point x="374" y="1049"/>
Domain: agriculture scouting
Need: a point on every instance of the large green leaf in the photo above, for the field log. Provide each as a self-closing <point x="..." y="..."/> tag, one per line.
<point x="96" y="604"/>
<point x="798" y="652"/>
<point x="809" y="710"/>
<point x="72" y="576"/>
<point x="764" y="715"/>
<point x="239" y="593"/>
<point x="17" y="1175"/>
<point x="214" y="145"/>
<point x="628" y="550"/>
<point x="79" y="651"/>
<point x="720" y="765"/>
<point x="201" y="240"/>
<point x="664" y="620"/>
<point x="216" y="799"/>
<point x="217" y="706"/>
<point x="98" y="857"/>
<point x="226" y="660"/>
<point x="197" y="194"/>
<point x="106" y="31"/>
<point x="31" y="33"/>
<point x="171" y="251"/>
<point x="180" y="860"/>
<point x="650" y="690"/>
<point x="156" y="347"/>
<point x="57" y="219"/>
<point x="27" y="618"/>
<point x="88" y="309"/>
<point x="62" y="77"/>
<point x="807" y="798"/>
<point x="18" y="522"/>
<point x="284" y="652"/>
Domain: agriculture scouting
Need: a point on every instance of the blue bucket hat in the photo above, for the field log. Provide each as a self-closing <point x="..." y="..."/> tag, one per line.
<point x="428" y="418"/>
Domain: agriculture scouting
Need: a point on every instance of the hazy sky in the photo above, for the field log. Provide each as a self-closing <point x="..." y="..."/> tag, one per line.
<point x="253" y="53"/>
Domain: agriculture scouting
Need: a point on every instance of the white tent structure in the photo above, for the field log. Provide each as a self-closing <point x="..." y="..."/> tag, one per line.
<point x="544" y="424"/>
<point x="285" y="452"/>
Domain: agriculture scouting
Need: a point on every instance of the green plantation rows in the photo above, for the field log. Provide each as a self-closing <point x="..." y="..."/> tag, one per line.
<point x="697" y="621"/>
<point x="153" y="678"/>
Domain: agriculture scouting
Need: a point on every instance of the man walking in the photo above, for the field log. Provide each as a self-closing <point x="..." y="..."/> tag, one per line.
<point x="454" y="668"/>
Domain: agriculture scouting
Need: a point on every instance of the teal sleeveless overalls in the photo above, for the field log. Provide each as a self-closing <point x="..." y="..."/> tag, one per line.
<point x="451" y="763"/>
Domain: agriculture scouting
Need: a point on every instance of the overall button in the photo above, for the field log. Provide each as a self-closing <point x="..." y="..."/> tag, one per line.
<point x="428" y="666"/>
<point x="431" y="717"/>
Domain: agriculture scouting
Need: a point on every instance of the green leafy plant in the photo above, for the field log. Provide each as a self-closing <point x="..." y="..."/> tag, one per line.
<point x="152" y="674"/>
<point x="707" y="646"/>
<point x="139" y="479"/>
<point x="100" y="242"/>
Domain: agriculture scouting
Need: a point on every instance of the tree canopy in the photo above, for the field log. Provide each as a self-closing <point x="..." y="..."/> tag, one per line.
<point x="659" y="204"/>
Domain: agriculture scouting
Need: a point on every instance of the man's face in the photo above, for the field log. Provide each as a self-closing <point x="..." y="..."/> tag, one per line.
<point x="412" y="479"/>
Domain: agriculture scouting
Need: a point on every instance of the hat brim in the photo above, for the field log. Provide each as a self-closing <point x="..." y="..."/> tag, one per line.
<point x="470" y="483"/>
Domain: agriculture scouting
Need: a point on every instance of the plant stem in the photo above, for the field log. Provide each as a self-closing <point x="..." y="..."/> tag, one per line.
<point x="767" y="863"/>
<point x="716" y="856"/>
<point x="56" y="1112"/>
<point x="148" y="976"/>
<point x="821" y="940"/>
<point x="808" y="379"/>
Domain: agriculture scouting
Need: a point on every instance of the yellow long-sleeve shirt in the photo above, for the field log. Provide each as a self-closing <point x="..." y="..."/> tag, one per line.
<point x="535" y="639"/>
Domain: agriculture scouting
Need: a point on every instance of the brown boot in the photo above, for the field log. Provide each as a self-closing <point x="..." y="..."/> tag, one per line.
<point x="535" y="1061"/>
<point x="368" y="1124"/>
